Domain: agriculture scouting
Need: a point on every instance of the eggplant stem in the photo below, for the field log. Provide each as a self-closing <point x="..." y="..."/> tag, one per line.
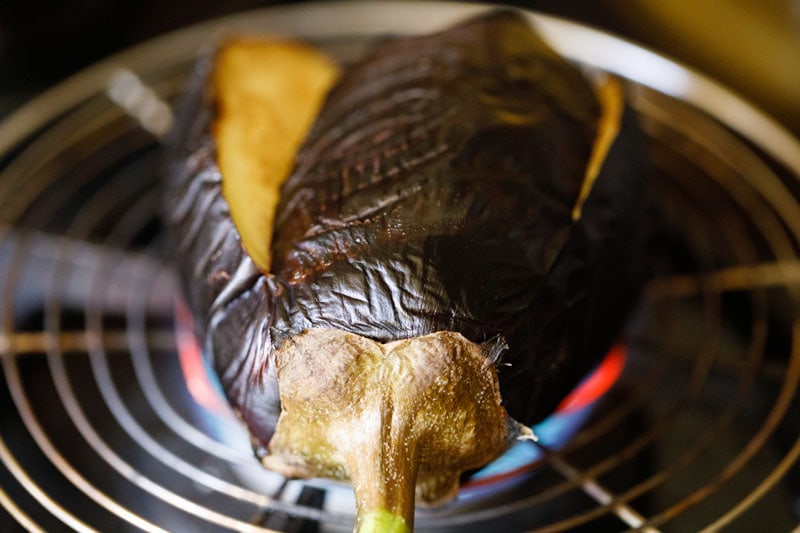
<point x="383" y="469"/>
<point x="401" y="420"/>
<point x="382" y="521"/>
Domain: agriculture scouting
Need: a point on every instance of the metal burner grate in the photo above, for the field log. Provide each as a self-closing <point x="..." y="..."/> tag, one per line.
<point x="100" y="432"/>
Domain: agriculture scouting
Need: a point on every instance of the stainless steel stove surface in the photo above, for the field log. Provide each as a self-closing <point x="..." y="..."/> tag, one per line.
<point x="110" y="421"/>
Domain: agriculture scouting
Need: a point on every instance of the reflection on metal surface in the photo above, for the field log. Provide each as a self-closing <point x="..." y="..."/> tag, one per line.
<point x="140" y="101"/>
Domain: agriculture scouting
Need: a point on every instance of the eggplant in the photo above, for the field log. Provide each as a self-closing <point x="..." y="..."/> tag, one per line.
<point x="452" y="238"/>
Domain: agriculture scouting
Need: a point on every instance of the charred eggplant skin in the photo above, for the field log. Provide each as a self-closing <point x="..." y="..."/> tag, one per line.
<point x="230" y="299"/>
<point x="434" y="193"/>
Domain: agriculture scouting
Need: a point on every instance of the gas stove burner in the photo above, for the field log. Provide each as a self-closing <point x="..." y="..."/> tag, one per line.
<point x="110" y="422"/>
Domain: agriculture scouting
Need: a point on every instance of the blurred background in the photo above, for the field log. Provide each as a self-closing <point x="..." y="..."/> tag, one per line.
<point x="753" y="46"/>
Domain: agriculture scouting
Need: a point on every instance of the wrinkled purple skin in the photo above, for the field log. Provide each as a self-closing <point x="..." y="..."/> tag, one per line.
<point x="434" y="192"/>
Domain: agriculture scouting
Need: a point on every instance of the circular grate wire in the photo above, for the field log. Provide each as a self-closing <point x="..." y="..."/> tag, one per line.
<point x="100" y="429"/>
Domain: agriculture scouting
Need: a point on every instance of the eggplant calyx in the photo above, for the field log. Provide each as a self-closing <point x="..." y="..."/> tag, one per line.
<point x="400" y="420"/>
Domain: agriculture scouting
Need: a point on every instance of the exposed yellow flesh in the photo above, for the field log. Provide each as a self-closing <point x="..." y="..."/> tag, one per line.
<point x="612" y="105"/>
<point x="268" y="94"/>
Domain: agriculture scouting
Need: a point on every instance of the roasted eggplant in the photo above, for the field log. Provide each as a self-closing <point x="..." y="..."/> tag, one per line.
<point x="394" y="294"/>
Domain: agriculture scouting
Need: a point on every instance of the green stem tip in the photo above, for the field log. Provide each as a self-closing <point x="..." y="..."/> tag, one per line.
<point x="382" y="522"/>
